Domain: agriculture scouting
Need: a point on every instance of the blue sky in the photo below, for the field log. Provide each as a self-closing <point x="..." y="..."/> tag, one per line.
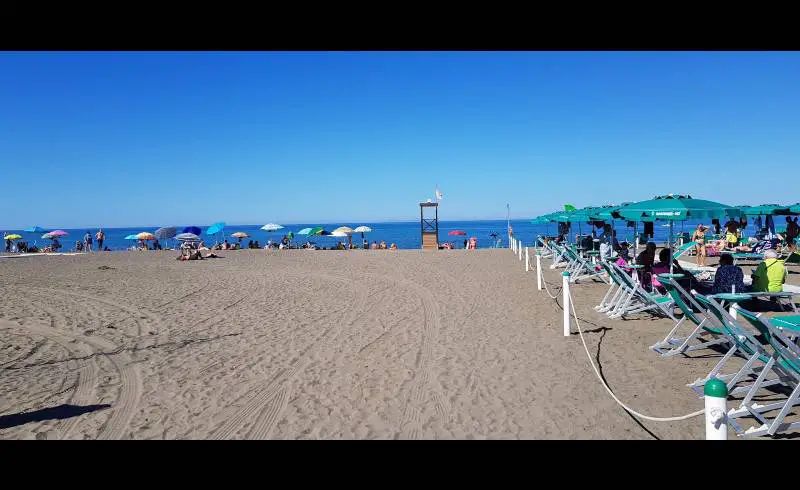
<point x="123" y="139"/>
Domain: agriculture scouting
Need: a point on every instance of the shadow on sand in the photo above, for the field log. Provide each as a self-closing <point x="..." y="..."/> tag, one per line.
<point x="52" y="413"/>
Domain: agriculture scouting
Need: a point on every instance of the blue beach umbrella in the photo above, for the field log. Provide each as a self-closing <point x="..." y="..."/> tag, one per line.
<point x="194" y="230"/>
<point x="215" y="228"/>
<point x="131" y="237"/>
<point x="33" y="229"/>
<point x="304" y="231"/>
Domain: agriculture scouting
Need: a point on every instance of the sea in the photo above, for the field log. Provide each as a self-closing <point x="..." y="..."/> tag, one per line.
<point x="405" y="234"/>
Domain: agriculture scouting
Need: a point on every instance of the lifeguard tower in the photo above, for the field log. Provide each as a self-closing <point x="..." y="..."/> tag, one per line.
<point x="429" y="226"/>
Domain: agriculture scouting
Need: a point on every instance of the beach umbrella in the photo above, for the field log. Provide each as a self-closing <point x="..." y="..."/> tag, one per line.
<point x="13" y="236"/>
<point x="304" y="231"/>
<point x="132" y="237"/>
<point x="347" y="231"/>
<point x="215" y="228"/>
<point x="673" y="207"/>
<point x="240" y="235"/>
<point x="188" y="237"/>
<point x="194" y="230"/>
<point x="362" y="229"/>
<point x="457" y="233"/>
<point x="33" y="229"/>
<point x="272" y="227"/>
<point x="59" y="233"/>
<point x="166" y="233"/>
<point x="765" y="210"/>
<point x="795" y="208"/>
<point x="318" y="230"/>
<point x="145" y="236"/>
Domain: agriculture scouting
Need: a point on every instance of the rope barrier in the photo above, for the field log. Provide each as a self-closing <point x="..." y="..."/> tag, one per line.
<point x="597" y="372"/>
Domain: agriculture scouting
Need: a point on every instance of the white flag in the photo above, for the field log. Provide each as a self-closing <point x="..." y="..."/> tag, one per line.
<point x="439" y="195"/>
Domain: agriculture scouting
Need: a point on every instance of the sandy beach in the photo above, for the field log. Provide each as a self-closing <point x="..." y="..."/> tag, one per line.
<point x="322" y="345"/>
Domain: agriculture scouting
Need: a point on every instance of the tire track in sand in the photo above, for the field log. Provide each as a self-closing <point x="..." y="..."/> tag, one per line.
<point x="130" y="389"/>
<point x="271" y="401"/>
<point x="422" y="383"/>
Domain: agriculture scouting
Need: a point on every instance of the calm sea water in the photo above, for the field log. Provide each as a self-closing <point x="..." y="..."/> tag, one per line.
<point x="405" y="234"/>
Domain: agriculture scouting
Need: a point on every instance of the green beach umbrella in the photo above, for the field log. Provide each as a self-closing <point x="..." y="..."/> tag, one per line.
<point x="765" y="210"/>
<point x="317" y="230"/>
<point x="673" y="207"/>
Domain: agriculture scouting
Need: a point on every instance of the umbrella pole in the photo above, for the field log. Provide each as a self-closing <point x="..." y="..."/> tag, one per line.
<point x="670" y="245"/>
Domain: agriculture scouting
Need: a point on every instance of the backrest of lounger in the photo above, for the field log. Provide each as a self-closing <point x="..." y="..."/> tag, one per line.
<point x="743" y="339"/>
<point x="672" y="289"/>
<point x="788" y="350"/>
<point x="683" y="249"/>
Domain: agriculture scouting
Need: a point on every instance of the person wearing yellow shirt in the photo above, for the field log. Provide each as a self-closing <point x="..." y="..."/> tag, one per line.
<point x="770" y="274"/>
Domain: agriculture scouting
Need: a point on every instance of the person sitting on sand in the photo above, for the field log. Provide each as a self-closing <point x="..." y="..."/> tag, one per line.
<point x="78" y="246"/>
<point x="393" y="247"/>
<point x="383" y="245"/>
<point x="374" y="246"/>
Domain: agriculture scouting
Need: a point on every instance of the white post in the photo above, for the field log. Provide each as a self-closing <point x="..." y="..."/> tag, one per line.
<point x="539" y="272"/>
<point x="565" y="286"/>
<point x="716" y="396"/>
<point x="519" y="249"/>
<point x="527" y="260"/>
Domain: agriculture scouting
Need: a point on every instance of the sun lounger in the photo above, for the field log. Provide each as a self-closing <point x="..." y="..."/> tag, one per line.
<point x="743" y="344"/>
<point x="784" y="364"/>
<point x="703" y="321"/>
<point x="634" y="299"/>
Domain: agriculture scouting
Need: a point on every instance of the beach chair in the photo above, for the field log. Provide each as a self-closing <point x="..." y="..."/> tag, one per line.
<point x="700" y="317"/>
<point x="792" y="259"/>
<point x="683" y="249"/>
<point x="559" y="256"/>
<point x="634" y="299"/>
<point x="544" y="249"/>
<point x="784" y="363"/>
<point x="738" y="256"/>
<point x="615" y="290"/>
<point x="579" y="268"/>
<point x="743" y="345"/>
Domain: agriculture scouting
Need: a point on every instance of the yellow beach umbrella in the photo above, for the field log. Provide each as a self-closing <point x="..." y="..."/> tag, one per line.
<point x="145" y="236"/>
<point x="345" y="230"/>
<point x="12" y="237"/>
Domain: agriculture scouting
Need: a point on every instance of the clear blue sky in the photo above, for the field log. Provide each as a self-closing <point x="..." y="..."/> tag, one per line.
<point x="124" y="139"/>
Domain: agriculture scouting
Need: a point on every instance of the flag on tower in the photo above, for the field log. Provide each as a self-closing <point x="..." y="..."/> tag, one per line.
<point x="439" y="194"/>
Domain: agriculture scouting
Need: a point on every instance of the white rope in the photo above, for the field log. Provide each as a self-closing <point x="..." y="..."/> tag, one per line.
<point x="597" y="372"/>
<point x="548" y="290"/>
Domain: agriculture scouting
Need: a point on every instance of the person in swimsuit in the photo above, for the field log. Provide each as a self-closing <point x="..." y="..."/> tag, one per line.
<point x="699" y="237"/>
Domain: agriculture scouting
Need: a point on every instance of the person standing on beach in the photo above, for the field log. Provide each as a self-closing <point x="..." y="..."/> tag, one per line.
<point x="100" y="237"/>
<point x="87" y="241"/>
<point x="792" y="230"/>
